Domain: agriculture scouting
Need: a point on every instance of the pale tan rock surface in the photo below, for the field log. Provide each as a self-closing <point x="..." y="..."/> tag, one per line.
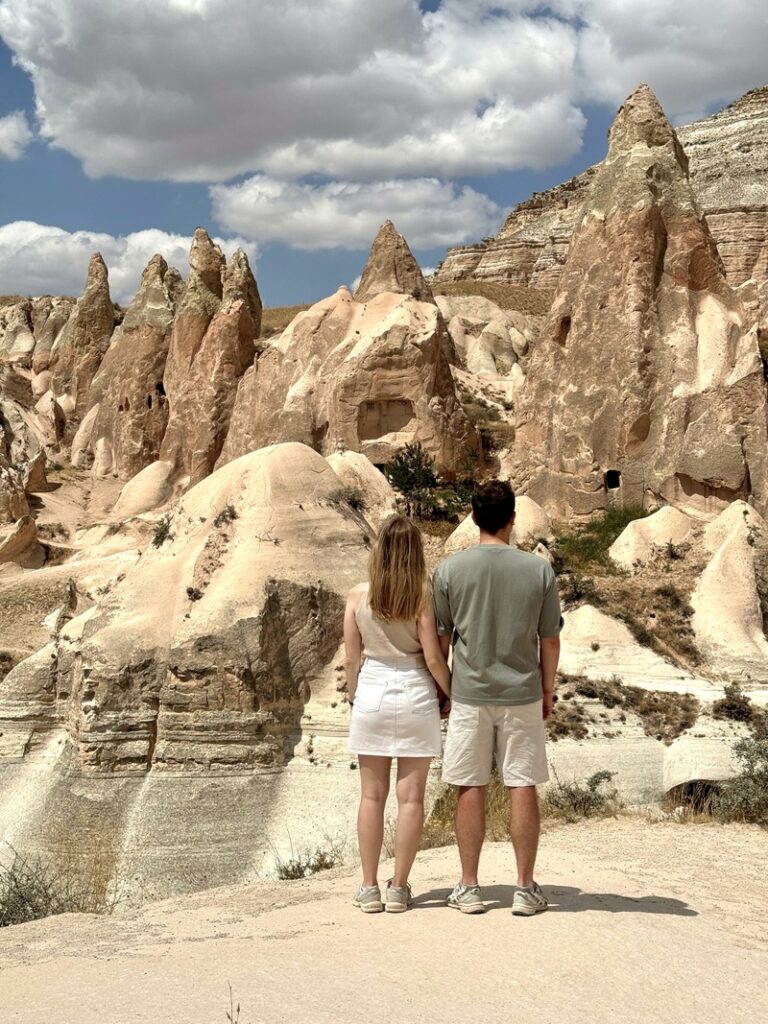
<point x="619" y="654"/>
<point x="618" y="888"/>
<point x="643" y="537"/>
<point x="17" y="341"/>
<point x="729" y="177"/>
<point x="531" y="523"/>
<point x="211" y="346"/>
<point x="128" y="394"/>
<point x="372" y="376"/>
<point x="202" y="656"/>
<point x="356" y="471"/>
<point x="391" y="267"/>
<point x="80" y="346"/>
<point x="646" y="368"/>
<point x="729" y="615"/>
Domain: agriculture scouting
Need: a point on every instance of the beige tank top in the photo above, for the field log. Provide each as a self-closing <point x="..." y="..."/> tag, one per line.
<point x="382" y="640"/>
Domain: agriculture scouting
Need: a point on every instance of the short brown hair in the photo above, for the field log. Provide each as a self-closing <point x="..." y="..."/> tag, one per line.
<point x="493" y="505"/>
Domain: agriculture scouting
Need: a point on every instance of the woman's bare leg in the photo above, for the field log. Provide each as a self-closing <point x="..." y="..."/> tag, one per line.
<point x="374" y="782"/>
<point x="411" y="783"/>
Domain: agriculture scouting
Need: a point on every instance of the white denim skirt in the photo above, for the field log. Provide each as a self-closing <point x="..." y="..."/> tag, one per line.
<point x="396" y="711"/>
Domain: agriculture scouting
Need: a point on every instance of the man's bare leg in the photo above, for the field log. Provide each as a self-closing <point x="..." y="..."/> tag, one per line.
<point x="470" y="830"/>
<point x="524" y="826"/>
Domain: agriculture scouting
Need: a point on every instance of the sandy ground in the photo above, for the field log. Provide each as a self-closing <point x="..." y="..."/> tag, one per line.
<point x="662" y="922"/>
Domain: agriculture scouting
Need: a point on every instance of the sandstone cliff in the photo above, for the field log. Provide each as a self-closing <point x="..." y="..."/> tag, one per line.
<point x="729" y="176"/>
<point x="646" y="384"/>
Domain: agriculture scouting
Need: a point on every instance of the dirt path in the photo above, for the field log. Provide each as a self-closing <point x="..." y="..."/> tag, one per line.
<point x="662" y="923"/>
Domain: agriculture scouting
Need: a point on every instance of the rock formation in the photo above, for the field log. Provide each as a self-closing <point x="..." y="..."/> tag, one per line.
<point x="391" y="267"/>
<point x="358" y="474"/>
<point x="80" y="347"/>
<point x="204" y="655"/>
<point x="372" y="376"/>
<point x="531" y="524"/>
<point x="729" y="177"/>
<point x="643" y="538"/>
<point x="17" y="341"/>
<point x="731" y="597"/>
<point x="126" y="423"/>
<point x="646" y="385"/>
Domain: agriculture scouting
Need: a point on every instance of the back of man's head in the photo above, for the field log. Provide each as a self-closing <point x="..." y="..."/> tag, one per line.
<point x="493" y="505"/>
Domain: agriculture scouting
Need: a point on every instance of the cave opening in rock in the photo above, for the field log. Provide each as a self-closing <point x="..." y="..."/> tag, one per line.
<point x="698" y="795"/>
<point x="564" y="330"/>
<point x="383" y="416"/>
<point x="612" y="478"/>
<point x="149" y="401"/>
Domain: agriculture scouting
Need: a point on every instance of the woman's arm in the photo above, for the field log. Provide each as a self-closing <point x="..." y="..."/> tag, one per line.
<point x="433" y="653"/>
<point x="353" y="646"/>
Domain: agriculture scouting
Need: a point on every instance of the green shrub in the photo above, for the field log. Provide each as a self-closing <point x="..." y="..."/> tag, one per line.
<point x="162" y="531"/>
<point x="585" y="548"/>
<point x="309" y="862"/>
<point x="353" y="497"/>
<point x="590" y="799"/>
<point x="745" y="797"/>
<point x="227" y="515"/>
<point x="735" y="705"/>
<point x="413" y="473"/>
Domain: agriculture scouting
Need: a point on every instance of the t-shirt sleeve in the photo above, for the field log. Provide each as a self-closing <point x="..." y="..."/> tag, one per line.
<point x="443" y="617"/>
<point x="550" y="618"/>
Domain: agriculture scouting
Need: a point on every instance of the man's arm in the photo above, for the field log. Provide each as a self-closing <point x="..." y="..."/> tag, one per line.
<point x="549" y="655"/>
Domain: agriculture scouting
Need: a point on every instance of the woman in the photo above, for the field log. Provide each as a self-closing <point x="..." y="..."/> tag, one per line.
<point x="393" y="660"/>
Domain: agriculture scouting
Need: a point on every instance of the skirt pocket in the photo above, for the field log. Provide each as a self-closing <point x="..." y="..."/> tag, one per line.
<point x="422" y="699"/>
<point x="368" y="696"/>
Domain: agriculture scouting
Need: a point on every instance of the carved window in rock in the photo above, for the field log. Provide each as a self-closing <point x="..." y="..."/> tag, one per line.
<point x="612" y="479"/>
<point x="564" y="330"/>
<point x="383" y="416"/>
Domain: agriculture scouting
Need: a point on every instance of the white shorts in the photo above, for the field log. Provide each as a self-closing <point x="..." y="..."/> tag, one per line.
<point x="515" y="734"/>
<point x="396" y="712"/>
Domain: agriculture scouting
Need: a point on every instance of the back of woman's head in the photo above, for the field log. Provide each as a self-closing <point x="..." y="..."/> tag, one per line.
<point x="398" y="572"/>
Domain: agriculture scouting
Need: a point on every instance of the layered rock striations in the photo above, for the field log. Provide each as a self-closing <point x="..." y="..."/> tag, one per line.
<point x="203" y="656"/>
<point x="370" y="375"/>
<point x="728" y="165"/>
<point x="646" y="385"/>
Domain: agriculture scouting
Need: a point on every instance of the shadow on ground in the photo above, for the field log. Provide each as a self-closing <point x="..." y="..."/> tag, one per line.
<point x="569" y="899"/>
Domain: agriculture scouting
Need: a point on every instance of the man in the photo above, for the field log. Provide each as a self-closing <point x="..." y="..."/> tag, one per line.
<point x="500" y="608"/>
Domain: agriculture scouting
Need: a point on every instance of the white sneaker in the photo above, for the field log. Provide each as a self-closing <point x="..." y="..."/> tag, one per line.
<point x="467" y="898"/>
<point x="529" y="901"/>
<point x="399" y="898"/>
<point x="368" y="899"/>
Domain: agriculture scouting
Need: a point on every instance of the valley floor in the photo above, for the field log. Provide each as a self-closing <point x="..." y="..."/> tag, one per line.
<point x="649" y="922"/>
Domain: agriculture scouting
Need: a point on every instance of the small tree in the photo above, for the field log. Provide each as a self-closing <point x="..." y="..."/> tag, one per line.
<point x="412" y="472"/>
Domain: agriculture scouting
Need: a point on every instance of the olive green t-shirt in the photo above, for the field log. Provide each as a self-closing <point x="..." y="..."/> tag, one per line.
<point x="495" y="601"/>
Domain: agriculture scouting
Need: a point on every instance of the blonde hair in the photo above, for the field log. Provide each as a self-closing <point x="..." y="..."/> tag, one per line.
<point x="398" y="572"/>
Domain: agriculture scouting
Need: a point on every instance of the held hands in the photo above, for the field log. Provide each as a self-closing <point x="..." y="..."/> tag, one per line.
<point x="548" y="704"/>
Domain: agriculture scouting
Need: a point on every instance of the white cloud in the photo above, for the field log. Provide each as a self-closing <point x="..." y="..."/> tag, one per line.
<point x="347" y="214"/>
<point x="215" y="88"/>
<point x="37" y="259"/>
<point x="15" y="135"/>
<point x="695" y="54"/>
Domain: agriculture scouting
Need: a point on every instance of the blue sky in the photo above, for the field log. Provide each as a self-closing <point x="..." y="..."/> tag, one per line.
<point x="290" y="181"/>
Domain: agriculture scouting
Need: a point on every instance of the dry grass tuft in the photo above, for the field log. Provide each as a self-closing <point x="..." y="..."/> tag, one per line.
<point x="275" y="320"/>
<point x="533" y="301"/>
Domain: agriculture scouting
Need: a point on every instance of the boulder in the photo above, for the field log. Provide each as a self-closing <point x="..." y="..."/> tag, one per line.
<point x="646" y="384"/>
<point x="730" y="600"/>
<point x="204" y="654"/>
<point x="531" y="523"/>
<point x="642" y="537"/>
<point x="357" y="472"/>
<point x="17" y="342"/>
<point x="391" y="267"/>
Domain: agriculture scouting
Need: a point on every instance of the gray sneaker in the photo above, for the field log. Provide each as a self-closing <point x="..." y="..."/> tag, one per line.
<point x="467" y="898"/>
<point x="368" y="899"/>
<point x="529" y="901"/>
<point x="399" y="898"/>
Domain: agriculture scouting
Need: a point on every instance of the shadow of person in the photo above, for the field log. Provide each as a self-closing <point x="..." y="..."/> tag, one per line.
<point x="569" y="899"/>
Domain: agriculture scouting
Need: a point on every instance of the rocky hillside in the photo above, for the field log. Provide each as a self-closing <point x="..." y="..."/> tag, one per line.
<point x="728" y="164"/>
